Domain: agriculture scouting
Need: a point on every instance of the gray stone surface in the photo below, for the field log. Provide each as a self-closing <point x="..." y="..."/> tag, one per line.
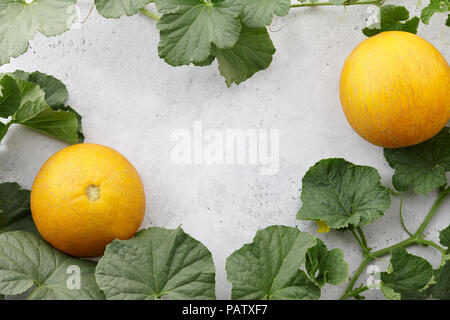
<point x="132" y="101"/>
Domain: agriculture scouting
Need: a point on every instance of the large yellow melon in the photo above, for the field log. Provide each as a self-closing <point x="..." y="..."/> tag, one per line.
<point x="395" y="90"/>
<point x="84" y="197"/>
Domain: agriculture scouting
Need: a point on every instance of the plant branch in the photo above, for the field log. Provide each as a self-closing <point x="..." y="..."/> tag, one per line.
<point x="358" y="291"/>
<point x="363" y="237"/>
<point x="347" y="3"/>
<point x="150" y="14"/>
<point x="89" y="14"/>
<point x="394" y="193"/>
<point x="361" y="244"/>
<point x="355" y="277"/>
<point x="431" y="244"/>
<point x="401" y="217"/>
<point x="443" y="194"/>
<point x="416" y="238"/>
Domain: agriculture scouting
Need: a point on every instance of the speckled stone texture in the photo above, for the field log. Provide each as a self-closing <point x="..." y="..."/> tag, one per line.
<point x="132" y="101"/>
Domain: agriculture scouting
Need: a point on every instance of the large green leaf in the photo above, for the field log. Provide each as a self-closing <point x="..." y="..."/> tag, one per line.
<point x="157" y="262"/>
<point x="253" y="52"/>
<point x="60" y="124"/>
<point x="389" y="293"/>
<point x="79" y="120"/>
<point x="342" y="194"/>
<point x="394" y="18"/>
<point x="10" y="96"/>
<point x="27" y="261"/>
<point x="3" y="130"/>
<point x="441" y="288"/>
<point x="423" y="166"/>
<point x="28" y="105"/>
<point x="189" y="28"/>
<point x="19" y="21"/>
<point x="407" y="274"/>
<point x="259" y="13"/>
<point x="115" y="8"/>
<point x="326" y="266"/>
<point x="15" y="213"/>
<point x="269" y="267"/>
<point x="27" y="93"/>
<point x="55" y="91"/>
<point x="444" y="237"/>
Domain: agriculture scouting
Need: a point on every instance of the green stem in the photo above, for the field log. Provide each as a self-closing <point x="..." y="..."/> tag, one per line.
<point x="355" y="277"/>
<point x="363" y="237"/>
<point x="358" y="291"/>
<point x="361" y="244"/>
<point x="444" y="193"/>
<point x="386" y="251"/>
<point x="394" y="193"/>
<point x="149" y="14"/>
<point x="416" y="238"/>
<point x="401" y="217"/>
<point x="431" y="244"/>
<point x="347" y="3"/>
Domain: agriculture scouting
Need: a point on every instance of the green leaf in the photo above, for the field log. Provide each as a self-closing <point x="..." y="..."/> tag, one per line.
<point x="20" y="21"/>
<point x="389" y="293"/>
<point x="30" y="106"/>
<point x="154" y="263"/>
<point x="10" y="96"/>
<point x="269" y="267"/>
<point x="407" y="274"/>
<point x="29" y="93"/>
<point x="259" y="13"/>
<point x="189" y="28"/>
<point x="394" y="18"/>
<point x="79" y="119"/>
<point x="326" y="266"/>
<point x="342" y="194"/>
<point x="444" y="237"/>
<point x="447" y="22"/>
<point x="423" y="166"/>
<point x="55" y="91"/>
<point x="435" y="6"/>
<point x="253" y="52"/>
<point x="26" y="260"/>
<point x="205" y="63"/>
<point x="115" y="9"/>
<point x="60" y="124"/>
<point x="3" y="130"/>
<point x="441" y="288"/>
<point x="15" y="213"/>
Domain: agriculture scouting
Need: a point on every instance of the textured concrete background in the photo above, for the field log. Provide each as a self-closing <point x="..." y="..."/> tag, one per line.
<point x="132" y="101"/>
